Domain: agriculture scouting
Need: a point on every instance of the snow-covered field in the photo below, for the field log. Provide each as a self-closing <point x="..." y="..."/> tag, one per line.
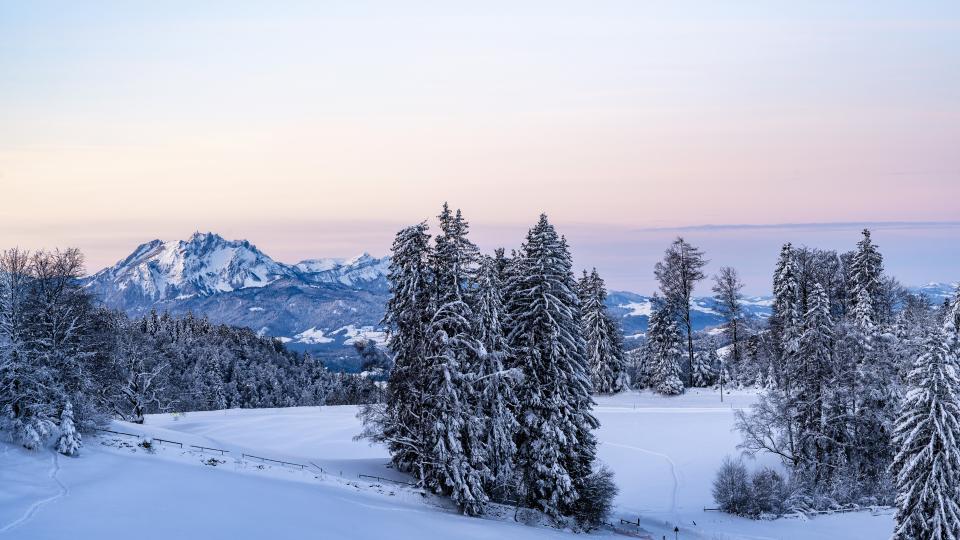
<point x="664" y="451"/>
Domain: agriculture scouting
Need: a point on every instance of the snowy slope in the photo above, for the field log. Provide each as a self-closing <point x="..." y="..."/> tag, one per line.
<point x="664" y="452"/>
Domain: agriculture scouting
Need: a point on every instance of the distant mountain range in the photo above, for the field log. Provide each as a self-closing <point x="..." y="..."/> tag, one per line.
<point x="320" y="305"/>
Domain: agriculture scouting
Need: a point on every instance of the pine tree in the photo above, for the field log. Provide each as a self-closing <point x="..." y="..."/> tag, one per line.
<point x="555" y="446"/>
<point x="871" y="386"/>
<point x="727" y="291"/>
<point x="705" y="365"/>
<point x="497" y="396"/>
<point x="604" y="339"/>
<point x="665" y="350"/>
<point x="457" y="463"/>
<point x="786" y="319"/>
<point x="927" y="465"/>
<point x="400" y="423"/>
<point x="69" y="442"/>
<point x="678" y="274"/>
<point x="866" y="278"/>
<point x="810" y="375"/>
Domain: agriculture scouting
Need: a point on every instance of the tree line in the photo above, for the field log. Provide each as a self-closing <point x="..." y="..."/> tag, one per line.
<point x="495" y="361"/>
<point x="859" y="396"/>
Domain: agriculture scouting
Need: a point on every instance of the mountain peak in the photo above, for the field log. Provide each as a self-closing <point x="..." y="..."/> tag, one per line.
<point x="206" y="264"/>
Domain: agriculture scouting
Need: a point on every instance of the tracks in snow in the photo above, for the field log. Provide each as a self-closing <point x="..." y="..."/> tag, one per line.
<point x="673" y="470"/>
<point x="62" y="491"/>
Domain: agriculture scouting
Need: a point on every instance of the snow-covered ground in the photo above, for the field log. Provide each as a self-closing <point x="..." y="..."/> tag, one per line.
<point x="664" y="452"/>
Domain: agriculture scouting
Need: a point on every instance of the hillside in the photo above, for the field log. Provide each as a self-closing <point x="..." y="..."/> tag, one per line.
<point x="116" y="488"/>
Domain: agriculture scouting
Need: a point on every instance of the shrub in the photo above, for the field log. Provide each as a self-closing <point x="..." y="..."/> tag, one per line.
<point x="596" y="498"/>
<point x="732" y="490"/>
<point x="769" y="492"/>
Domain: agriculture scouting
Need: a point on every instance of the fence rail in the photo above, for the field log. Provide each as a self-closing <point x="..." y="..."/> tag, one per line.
<point x="381" y="479"/>
<point x="158" y="439"/>
<point x="622" y="521"/>
<point x="263" y="459"/>
<point x="118" y="432"/>
<point x="202" y="448"/>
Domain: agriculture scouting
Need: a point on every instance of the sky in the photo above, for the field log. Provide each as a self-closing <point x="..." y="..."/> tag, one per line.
<point x="319" y="128"/>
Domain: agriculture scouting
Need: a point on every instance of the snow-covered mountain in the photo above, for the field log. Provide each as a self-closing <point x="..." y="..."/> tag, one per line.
<point x="937" y="292"/>
<point x="205" y="264"/>
<point x="323" y="305"/>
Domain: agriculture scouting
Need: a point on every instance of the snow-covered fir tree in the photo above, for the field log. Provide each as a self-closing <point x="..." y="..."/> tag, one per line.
<point x="555" y="444"/>
<point x="866" y="281"/>
<point x="727" y="290"/>
<point x="665" y="350"/>
<point x="678" y="274"/>
<point x="810" y="374"/>
<point x="705" y="368"/>
<point x="603" y="336"/>
<point x="786" y="318"/>
<point x="927" y="464"/>
<point x="70" y="441"/>
<point x="830" y="410"/>
<point x="496" y="383"/>
<point x="400" y="425"/>
<point x="456" y="462"/>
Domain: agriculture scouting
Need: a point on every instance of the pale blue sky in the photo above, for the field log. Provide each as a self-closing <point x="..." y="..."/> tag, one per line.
<point x="316" y="128"/>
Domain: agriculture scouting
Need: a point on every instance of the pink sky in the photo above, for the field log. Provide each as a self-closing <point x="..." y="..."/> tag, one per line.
<point x="318" y="128"/>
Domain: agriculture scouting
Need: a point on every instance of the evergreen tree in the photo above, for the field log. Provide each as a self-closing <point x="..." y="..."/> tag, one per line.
<point x="786" y="319"/>
<point x="603" y="337"/>
<point x="555" y="446"/>
<point x="810" y="374"/>
<point x="866" y="281"/>
<point x="678" y="274"/>
<point x="497" y="396"/>
<point x="927" y="465"/>
<point x="401" y="425"/>
<point x="705" y="366"/>
<point x="69" y="442"/>
<point x="455" y="435"/>
<point x="727" y="291"/>
<point x="665" y="350"/>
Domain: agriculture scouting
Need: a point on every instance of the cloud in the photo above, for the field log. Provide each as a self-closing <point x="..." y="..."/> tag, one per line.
<point x="820" y="226"/>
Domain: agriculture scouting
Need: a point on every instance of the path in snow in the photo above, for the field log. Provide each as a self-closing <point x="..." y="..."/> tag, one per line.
<point x="32" y="510"/>
<point x="673" y="470"/>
